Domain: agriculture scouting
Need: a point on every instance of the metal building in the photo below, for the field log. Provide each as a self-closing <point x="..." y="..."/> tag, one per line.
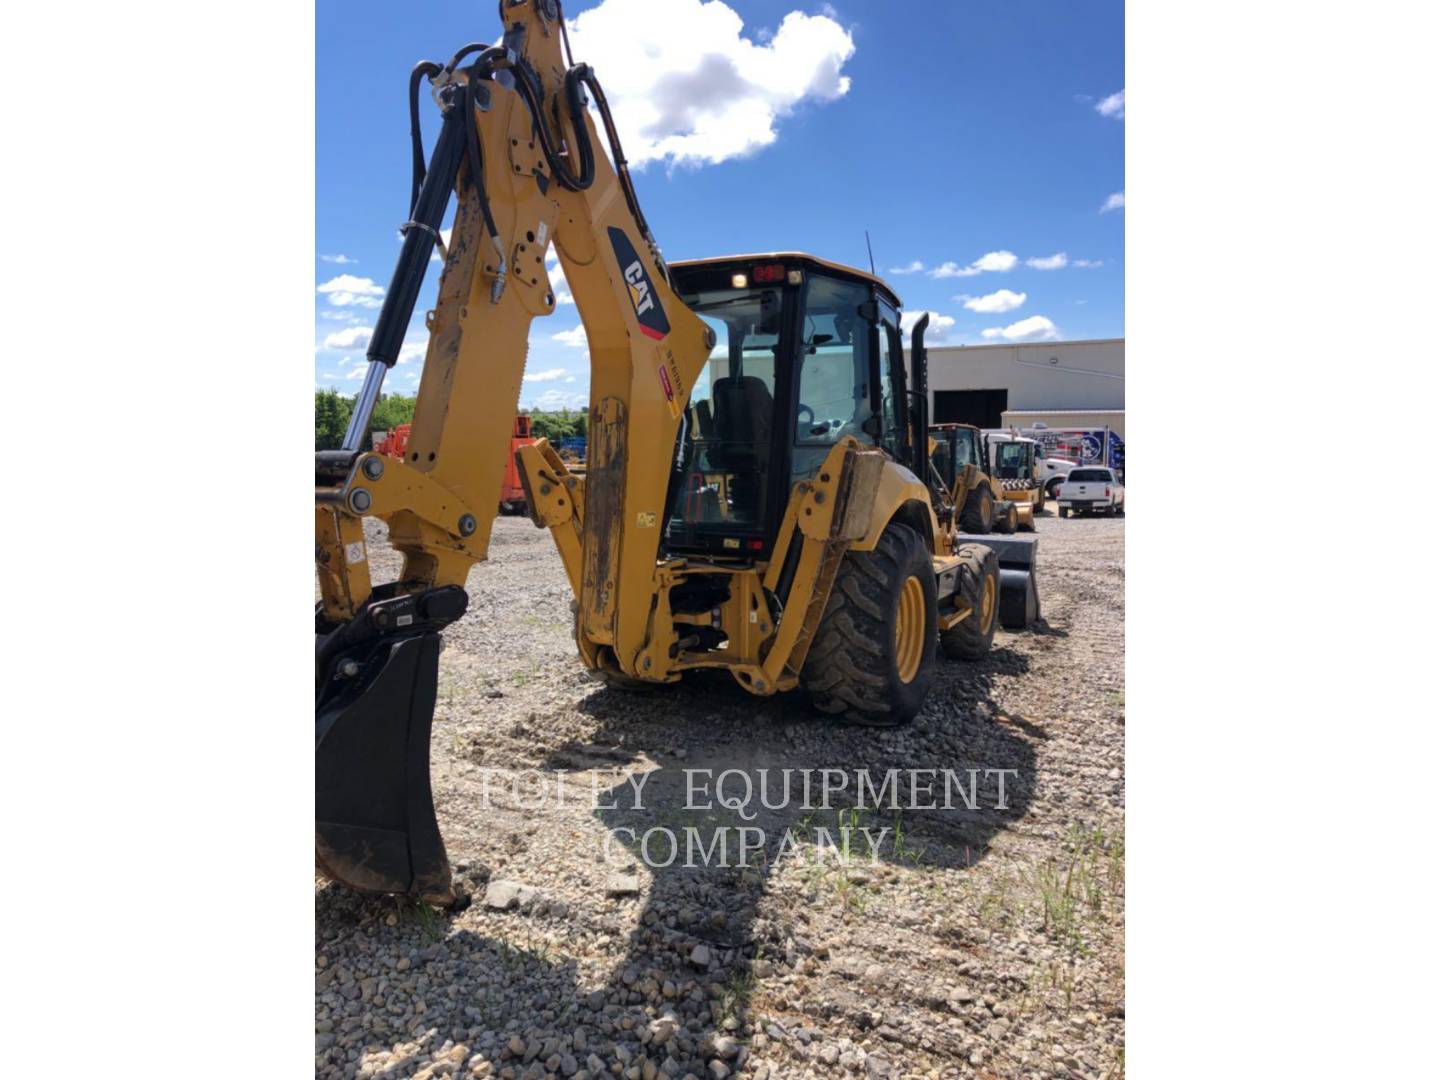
<point x="1057" y="384"/>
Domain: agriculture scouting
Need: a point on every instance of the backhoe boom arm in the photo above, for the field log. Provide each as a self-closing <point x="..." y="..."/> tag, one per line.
<point x="520" y="151"/>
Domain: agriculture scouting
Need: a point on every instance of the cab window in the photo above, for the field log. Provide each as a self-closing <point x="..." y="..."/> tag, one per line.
<point x="833" y="397"/>
<point x="892" y="408"/>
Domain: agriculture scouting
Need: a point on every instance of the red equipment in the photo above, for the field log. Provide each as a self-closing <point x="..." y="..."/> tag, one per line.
<point x="512" y="494"/>
<point x="394" y="443"/>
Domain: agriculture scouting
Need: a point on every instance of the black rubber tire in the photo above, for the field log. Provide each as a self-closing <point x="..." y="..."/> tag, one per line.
<point x="1007" y="521"/>
<point x="978" y="514"/>
<point x="1120" y="510"/>
<point x="1064" y="511"/>
<point x="1052" y="489"/>
<point x="1040" y="506"/>
<point x="851" y="669"/>
<point x="970" y="640"/>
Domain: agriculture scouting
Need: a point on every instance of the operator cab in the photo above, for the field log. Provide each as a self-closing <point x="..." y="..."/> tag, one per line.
<point x="1013" y="457"/>
<point x="806" y="352"/>
<point x="956" y="446"/>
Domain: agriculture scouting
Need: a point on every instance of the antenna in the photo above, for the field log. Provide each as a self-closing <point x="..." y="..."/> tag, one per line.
<point x="871" y="252"/>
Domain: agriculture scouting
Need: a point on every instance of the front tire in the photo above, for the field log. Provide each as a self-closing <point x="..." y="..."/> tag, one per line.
<point x="978" y="514"/>
<point x="1008" y="520"/>
<point x="873" y="658"/>
<point x="979" y="590"/>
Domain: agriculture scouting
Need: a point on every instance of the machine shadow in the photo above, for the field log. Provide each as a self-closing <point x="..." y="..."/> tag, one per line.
<point x="684" y="983"/>
<point x="697" y="938"/>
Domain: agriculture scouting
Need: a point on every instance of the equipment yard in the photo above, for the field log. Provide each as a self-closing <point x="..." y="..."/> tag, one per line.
<point x="984" y="942"/>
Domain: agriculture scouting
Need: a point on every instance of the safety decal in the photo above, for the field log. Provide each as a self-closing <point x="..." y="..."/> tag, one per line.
<point x="669" y="373"/>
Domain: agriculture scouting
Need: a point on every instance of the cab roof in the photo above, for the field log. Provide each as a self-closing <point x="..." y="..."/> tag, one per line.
<point x="811" y="262"/>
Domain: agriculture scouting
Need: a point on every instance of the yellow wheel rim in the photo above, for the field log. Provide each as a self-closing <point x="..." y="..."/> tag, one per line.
<point x="987" y="603"/>
<point x="910" y="629"/>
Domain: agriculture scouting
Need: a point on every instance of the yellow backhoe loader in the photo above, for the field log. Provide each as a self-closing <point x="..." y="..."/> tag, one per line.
<point x="751" y="500"/>
<point x="962" y="482"/>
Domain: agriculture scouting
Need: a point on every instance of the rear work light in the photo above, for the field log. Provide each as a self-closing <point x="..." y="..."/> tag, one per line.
<point x="769" y="272"/>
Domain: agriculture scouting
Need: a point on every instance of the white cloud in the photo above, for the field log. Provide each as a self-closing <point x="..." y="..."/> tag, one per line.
<point x="560" y="399"/>
<point x="339" y="260"/>
<point x="445" y="236"/>
<point x="357" y="373"/>
<point x="1048" y="262"/>
<point x="558" y="284"/>
<point x="352" y="337"/>
<point x="996" y="303"/>
<point x="1112" y="106"/>
<point x="913" y="268"/>
<point x="1088" y="263"/>
<point x="1035" y="328"/>
<point x="548" y="375"/>
<point x="574" y="338"/>
<point x="936" y="331"/>
<point x="993" y="261"/>
<point x="413" y="350"/>
<point x="341" y="316"/>
<point x="687" y="87"/>
<point x="347" y="290"/>
<point x="1114" y="202"/>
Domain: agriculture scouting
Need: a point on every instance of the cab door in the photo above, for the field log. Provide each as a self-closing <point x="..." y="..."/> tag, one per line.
<point x="890" y="380"/>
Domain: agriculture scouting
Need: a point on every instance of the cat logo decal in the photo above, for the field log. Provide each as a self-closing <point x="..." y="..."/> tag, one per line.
<point x="648" y="310"/>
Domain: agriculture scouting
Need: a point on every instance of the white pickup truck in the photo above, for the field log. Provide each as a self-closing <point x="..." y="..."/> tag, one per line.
<point x="1091" y="489"/>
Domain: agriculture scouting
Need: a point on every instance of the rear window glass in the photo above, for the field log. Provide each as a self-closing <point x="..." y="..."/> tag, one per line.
<point x="1093" y="475"/>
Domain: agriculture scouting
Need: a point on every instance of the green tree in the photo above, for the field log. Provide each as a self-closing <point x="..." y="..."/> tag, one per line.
<point x="332" y="417"/>
<point x="391" y="411"/>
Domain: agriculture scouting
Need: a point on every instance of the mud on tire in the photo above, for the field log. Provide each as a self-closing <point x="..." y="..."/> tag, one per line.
<point x="853" y="667"/>
<point x="971" y="639"/>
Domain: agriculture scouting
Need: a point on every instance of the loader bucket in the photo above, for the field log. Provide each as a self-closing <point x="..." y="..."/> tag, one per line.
<point x="1019" y="590"/>
<point x="375" y="827"/>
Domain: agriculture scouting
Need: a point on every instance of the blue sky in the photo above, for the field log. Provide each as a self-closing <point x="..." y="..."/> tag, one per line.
<point x="977" y="140"/>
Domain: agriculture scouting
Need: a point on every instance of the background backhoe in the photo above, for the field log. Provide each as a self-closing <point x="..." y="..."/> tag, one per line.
<point x="752" y="500"/>
<point x="963" y="486"/>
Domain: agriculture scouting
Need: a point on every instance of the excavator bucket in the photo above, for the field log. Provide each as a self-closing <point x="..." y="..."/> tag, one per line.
<point x="375" y="827"/>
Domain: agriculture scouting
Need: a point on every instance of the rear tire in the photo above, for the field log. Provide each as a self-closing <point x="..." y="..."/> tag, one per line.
<point x="873" y="657"/>
<point x="979" y="590"/>
<point x="1040" y="505"/>
<point x="978" y="514"/>
<point x="1120" y="510"/>
<point x="1064" y="511"/>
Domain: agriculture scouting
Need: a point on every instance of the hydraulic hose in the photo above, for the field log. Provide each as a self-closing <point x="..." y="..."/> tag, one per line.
<point x="426" y="217"/>
<point x="424" y="69"/>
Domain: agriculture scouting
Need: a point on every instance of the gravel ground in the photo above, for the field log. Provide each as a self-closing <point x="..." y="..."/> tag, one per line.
<point x="984" y="942"/>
